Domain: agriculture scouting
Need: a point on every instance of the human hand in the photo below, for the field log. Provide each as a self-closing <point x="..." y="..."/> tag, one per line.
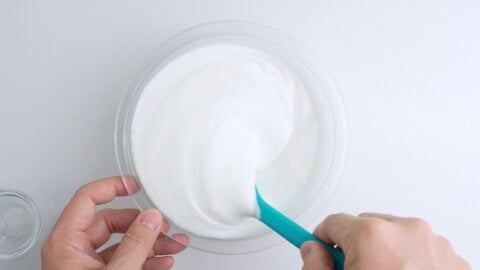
<point x="81" y="231"/>
<point x="378" y="241"/>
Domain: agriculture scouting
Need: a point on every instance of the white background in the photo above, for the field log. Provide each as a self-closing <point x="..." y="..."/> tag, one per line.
<point x="409" y="72"/>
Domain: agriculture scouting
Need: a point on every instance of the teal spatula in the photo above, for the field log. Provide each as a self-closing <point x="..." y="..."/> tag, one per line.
<point x="293" y="232"/>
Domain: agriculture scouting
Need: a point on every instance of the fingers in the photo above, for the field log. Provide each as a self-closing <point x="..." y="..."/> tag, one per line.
<point x="137" y="242"/>
<point x="315" y="257"/>
<point x="416" y="225"/>
<point x="337" y="229"/>
<point x="80" y="211"/>
<point x="109" y="221"/>
<point x="159" y="263"/>
<point x="163" y="246"/>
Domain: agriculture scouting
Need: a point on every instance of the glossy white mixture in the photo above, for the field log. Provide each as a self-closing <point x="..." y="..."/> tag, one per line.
<point x="212" y="123"/>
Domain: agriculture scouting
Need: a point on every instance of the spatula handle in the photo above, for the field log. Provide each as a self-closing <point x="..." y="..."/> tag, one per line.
<point x="293" y="232"/>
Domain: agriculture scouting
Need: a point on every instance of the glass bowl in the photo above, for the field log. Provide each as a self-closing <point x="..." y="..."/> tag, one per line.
<point x="326" y="101"/>
<point x="20" y="223"/>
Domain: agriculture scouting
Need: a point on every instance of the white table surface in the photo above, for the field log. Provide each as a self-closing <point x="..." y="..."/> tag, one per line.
<point x="409" y="72"/>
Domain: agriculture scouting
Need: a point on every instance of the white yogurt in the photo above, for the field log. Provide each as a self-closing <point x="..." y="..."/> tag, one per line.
<point x="213" y="123"/>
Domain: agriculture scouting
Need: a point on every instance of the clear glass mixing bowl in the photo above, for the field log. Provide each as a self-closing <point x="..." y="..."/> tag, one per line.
<point x="332" y="152"/>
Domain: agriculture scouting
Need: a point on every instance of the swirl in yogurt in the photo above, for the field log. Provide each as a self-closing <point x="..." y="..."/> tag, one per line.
<point x="214" y="122"/>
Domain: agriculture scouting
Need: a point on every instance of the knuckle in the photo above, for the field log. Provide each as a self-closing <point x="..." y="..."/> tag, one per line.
<point x="332" y="218"/>
<point x="443" y="242"/>
<point x="419" y="226"/>
<point x="373" y="229"/>
<point x="82" y="191"/>
<point x="84" y="188"/>
<point x="363" y="214"/>
<point x="372" y="225"/>
<point x="422" y="232"/>
<point x="136" y="240"/>
<point x="328" y="222"/>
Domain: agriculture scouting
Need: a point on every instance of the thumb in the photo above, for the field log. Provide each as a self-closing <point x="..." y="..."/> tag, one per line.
<point x="137" y="241"/>
<point x="315" y="257"/>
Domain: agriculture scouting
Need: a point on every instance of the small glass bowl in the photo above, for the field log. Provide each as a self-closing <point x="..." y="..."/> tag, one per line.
<point x="327" y="103"/>
<point x="20" y="223"/>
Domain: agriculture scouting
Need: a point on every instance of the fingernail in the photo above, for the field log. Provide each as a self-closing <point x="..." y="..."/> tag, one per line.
<point x="165" y="227"/>
<point x="305" y="249"/>
<point x="180" y="238"/>
<point x="130" y="184"/>
<point x="151" y="219"/>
